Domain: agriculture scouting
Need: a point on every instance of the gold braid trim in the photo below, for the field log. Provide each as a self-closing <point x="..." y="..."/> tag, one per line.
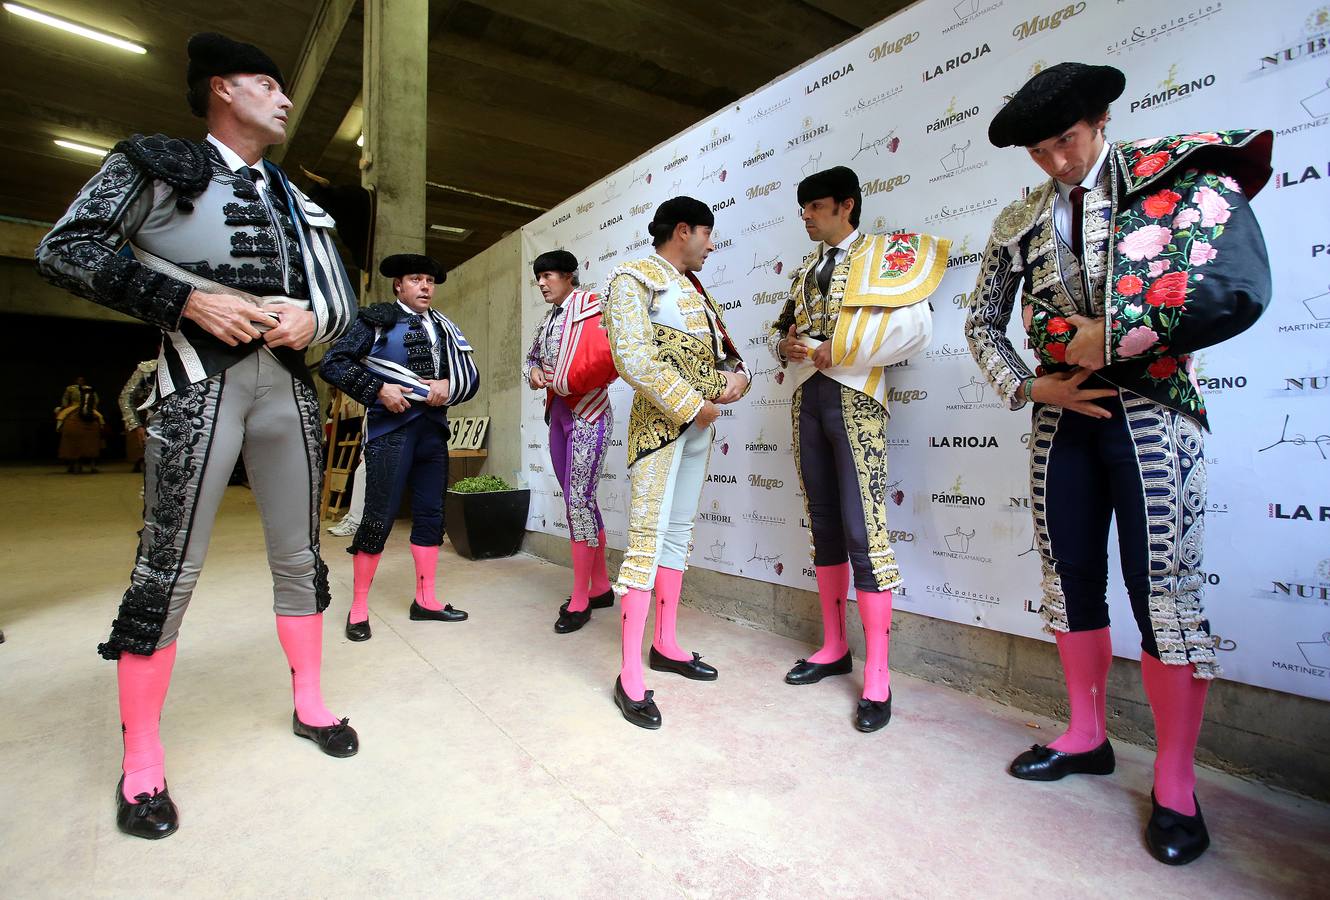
<point x="649" y="428"/>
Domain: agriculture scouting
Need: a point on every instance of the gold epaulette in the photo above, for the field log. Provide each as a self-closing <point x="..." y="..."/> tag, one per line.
<point x="1019" y="217"/>
<point x="648" y="270"/>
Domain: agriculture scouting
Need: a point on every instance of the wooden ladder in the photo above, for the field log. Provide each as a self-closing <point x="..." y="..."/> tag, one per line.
<point x="343" y="454"/>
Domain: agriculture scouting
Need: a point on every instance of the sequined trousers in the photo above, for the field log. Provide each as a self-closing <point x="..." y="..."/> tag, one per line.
<point x="577" y="450"/>
<point x="1145" y="468"/>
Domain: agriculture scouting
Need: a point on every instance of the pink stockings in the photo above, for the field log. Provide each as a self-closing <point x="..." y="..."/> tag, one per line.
<point x="427" y="560"/>
<point x="302" y="640"/>
<point x="588" y="571"/>
<point x="1177" y="699"/>
<point x="1086" y="656"/>
<point x="833" y="585"/>
<point x="143" y="681"/>
<point x="875" y="611"/>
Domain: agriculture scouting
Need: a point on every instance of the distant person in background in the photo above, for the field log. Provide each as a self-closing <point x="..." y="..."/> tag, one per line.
<point x="79" y="423"/>
<point x="133" y="397"/>
<point x="570" y="360"/>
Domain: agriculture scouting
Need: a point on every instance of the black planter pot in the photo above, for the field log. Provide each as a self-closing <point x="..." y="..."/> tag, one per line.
<point x="489" y="524"/>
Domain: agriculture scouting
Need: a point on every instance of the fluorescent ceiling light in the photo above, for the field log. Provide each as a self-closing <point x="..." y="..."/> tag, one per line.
<point x="75" y="28"/>
<point x="451" y="232"/>
<point x="83" y="148"/>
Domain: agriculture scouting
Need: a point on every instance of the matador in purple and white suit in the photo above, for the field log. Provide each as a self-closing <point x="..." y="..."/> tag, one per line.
<point x="570" y="359"/>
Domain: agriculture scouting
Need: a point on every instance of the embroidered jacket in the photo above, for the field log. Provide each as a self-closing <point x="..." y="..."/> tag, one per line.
<point x="875" y="312"/>
<point x="670" y="344"/>
<point x="177" y="200"/>
<point x="384" y="340"/>
<point x="571" y="347"/>
<point x="1173" y="260"/>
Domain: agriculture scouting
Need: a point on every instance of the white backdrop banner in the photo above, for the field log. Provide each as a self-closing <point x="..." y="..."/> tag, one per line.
<point x="906" y="104"/>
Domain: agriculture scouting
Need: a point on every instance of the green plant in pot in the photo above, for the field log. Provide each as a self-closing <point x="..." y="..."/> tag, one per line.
<point x="486" y="516"/>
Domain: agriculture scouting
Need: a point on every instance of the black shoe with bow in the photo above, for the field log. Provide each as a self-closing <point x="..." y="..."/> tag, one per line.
<point x="338" y="739"/>
<point x="569" y="622"/>
<point x="1041" y="763"/>
<point x="447" y="614"/>
<point x="152" y="816"/>
<point x="642" y="713"/>
<point x="872" y="714"/>
<point x="1175" y="839"/>
<point x="357" y="631"/>
<point x="805" y="672"/>
<point x="689" y="668"/>
<point x="603" y="601"/>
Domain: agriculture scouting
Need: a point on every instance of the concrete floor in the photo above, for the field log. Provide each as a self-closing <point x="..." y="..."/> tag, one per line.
<point x="494" y="763"/>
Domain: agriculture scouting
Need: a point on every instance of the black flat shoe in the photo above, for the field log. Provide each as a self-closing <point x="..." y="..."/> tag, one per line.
<point x="339" y="740"/>
<point x="357" y="631"/>
<point x="642" y="713"/>
<point x="569" y="622"/>
<point x="872" y="714"/>
<point x="689" y="668"/>
<point x="1175" y="839"/>
<point x="1041" y="763"/>
<point x="152" y="816"/>
<point x="603" y="601"/>
<point x="447" y="614"/>
<point x="805" y="672"/>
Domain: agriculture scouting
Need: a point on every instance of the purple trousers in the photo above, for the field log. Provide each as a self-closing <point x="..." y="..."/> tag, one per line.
<point x="577" y="449"/>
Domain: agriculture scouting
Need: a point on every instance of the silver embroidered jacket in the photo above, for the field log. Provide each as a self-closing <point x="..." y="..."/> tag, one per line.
<point x="177" y="200"/>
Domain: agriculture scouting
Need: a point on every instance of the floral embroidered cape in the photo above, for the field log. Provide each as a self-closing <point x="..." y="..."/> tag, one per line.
<point x="1175" y="258"/>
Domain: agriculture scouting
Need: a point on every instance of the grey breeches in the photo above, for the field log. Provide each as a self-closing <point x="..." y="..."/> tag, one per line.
<point x="194" y="438"/>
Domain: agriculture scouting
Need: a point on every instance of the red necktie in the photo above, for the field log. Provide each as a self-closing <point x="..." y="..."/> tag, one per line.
<point x="1077" y="217"/>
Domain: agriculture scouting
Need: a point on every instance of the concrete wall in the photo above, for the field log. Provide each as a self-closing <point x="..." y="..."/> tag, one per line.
<point x="482" y="297"/>
<point x="1279" y="738"/>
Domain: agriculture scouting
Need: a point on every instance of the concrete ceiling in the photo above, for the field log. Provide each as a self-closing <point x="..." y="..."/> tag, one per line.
<point x="529" y="100"/>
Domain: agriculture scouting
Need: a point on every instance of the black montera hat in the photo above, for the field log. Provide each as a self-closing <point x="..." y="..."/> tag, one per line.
<point x="399" y="265"/>
<point x="554" y="261"/>
<point x="687" y="210"/>
<point x="839" y="181"/>
<point x="1053" y="101"/>
<point x="212" y="54"/>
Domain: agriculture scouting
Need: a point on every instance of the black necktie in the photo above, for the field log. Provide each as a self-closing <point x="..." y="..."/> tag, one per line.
<point x="254" y="175"/>
<point x="824" y="273"/>
<point x="1077" y="215"/>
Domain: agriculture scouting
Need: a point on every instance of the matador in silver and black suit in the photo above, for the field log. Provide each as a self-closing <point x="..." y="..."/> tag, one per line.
<point x="165" y="222"/>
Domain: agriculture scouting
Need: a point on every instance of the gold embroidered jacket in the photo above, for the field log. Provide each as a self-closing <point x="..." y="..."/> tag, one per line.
<point x="670" y="344"/>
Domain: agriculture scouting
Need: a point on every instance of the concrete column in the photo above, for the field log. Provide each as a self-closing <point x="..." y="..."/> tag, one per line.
<point x="393" y="162"/>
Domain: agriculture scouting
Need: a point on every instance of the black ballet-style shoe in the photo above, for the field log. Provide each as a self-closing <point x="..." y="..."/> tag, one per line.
<point x="1041" y="763"/>
<point x="805" y="672"/>
<point x="152" y="816"/>
<point x="872" y="715"/>
<point x="603" y="601"/>
<point x="1175" y="839"/>
<point x="447" y="614"/>
<point x="568" y="622"/>
<point x="339" y="740"/>
<point x="357" y="631"/>
<point x="689" y="668"/>
<point x="642" y="713"/>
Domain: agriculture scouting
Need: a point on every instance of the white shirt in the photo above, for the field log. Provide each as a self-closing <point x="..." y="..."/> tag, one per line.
<point x="425" y="317"/>
<point x="236" y="164"/>
<point x="1062" y="202"/>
